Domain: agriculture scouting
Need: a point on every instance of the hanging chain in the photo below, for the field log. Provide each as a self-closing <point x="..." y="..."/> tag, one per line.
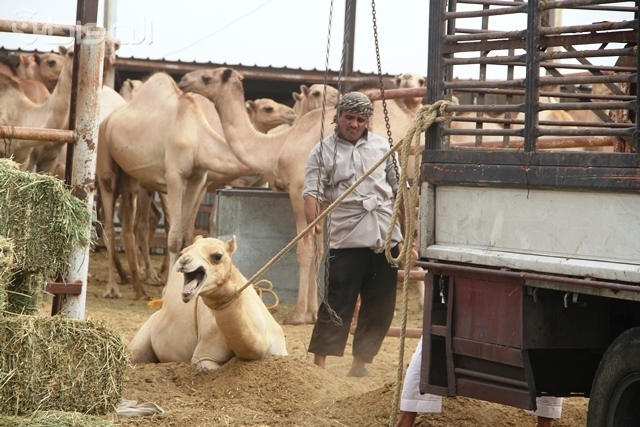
<point x="324" y="296"/>
<point x="382" y="96"/>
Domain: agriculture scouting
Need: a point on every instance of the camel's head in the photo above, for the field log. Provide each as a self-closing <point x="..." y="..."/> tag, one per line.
<point x="410" y="80"/>
<point x="311" y="98"/>
<point x="207" y="267"/>
<point x="265" y="114"/>
<point x="209" y="82"/>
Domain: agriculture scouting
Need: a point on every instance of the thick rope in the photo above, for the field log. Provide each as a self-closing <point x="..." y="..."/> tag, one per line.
<point x="408" y="199"/>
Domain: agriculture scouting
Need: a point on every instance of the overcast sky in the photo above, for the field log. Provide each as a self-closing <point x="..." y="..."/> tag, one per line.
<point x="291" y="33"/>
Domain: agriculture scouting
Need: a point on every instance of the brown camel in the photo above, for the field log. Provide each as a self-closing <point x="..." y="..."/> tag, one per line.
<point x="283" y="155"/>
<point x="171" y="149"/>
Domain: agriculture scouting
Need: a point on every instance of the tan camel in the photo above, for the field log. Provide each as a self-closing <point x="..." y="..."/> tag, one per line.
<point x="17" y="110"/>
<point x="410" y="81"/>
<point x="44" y="67"/>
<point x="221" y="327"/>
<point x="282" y="155"/>
<point x="35" y="90"/>
<point x="313" y="97"/>
<point x="169" y="148"/>
<point x="265" y="114"/>
<point x="129" y="88"/>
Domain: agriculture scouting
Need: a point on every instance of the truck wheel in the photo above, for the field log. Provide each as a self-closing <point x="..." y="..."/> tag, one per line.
<point x="615" y="396"/>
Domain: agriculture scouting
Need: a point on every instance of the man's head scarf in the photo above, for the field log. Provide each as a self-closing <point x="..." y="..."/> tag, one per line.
<point x="354" y="102"/>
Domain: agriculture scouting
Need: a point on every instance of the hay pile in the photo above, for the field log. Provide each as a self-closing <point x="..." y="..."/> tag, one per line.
<point x="6" y="263"/>
<point x="60" y="364"/>
<point x="55" y="419"/>
<point x="54" y="371"/>
<point x="45" y="223"/>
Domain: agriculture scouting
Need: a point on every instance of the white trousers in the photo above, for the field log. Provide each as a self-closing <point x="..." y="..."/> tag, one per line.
<point x="412" y="401"/>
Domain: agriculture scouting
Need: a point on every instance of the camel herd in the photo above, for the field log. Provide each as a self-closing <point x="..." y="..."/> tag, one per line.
<point x="182" y="140"/>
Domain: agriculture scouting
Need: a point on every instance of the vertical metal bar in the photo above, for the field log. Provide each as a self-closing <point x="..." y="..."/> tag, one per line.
<point x="349" y="34"/>
<point x="86" y="12"/>
<point x="636" y="86"/>
<point x="89" y="89"/>
<point x="435" y="78"/>
<point x="532" y="88"/>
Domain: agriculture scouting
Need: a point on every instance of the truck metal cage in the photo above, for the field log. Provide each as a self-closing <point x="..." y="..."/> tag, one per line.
<point x="528" y="205"/>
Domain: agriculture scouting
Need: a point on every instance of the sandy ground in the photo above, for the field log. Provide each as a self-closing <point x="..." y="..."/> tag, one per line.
<point x="284" y="391"/>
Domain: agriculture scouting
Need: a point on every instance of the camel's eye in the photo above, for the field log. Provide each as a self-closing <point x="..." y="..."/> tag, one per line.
<point x="422" y="82"/>
<point x="52" y="62"/>
<point x="268" y="109"/>
<point x="217" y="257"/>
<point x="206" y="79"/>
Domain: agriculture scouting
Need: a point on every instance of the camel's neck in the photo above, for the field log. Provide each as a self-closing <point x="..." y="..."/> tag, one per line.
<point x="216" y="157"/>
<point x="244" y="336"/>
<point x="257" y="150"/>
<point x="58" y="104"/>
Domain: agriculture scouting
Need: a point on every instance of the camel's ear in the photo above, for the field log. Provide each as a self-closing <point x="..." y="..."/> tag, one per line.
<point x="304" y="89"/>
<point x="250" y="105"/>
<point x="198" y="237"/>
<point x="231" y="244"/>
<point x="62" y="50"/>
<point x="296" y="96"/>
<point x="240" y="76"/>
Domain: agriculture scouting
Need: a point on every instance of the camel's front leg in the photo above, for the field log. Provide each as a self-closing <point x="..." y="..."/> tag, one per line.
<point x="128" y="200"/>
<point x="107" y="181"/>
<point x="182" y="195"/>
<point x="302" y="312"/>
<point x="145" y="229"/>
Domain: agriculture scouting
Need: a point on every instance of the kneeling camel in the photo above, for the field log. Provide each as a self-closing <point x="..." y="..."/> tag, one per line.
<point x="208" y="333"/>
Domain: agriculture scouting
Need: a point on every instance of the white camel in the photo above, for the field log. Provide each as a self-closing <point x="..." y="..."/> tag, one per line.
<point x="17" y="110"/>
<point x="411" y="81"/>
<point x="282" y="155"/>
<point x="201" y="320"/>
<point x="171" y="149"/>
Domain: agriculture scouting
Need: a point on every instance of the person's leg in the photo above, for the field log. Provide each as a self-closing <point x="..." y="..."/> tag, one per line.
<point x="411" y="401"/>
<point x="319" y="360"/>
<point x="406" y="419"/>
<point x="549" y="408"/>
<point x="377" y="307"/>
<point x="345" y="275"/>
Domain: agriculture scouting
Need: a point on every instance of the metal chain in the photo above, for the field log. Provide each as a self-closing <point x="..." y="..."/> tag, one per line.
<point x="324" y="296"/>
<point x="382" y="96"/>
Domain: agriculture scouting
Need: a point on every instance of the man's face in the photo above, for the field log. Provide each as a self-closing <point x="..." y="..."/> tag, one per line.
<point x="351" y="126"/>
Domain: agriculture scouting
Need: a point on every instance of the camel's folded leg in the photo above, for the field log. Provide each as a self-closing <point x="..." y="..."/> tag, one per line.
<point x="140" y="349"/>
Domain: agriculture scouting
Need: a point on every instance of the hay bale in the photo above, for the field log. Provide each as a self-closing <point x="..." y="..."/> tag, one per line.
<point x="55" y="419"/>
<point x="24" y="293"/>
<point x="6" y="263"/>
<point x="45" y="223"/>
<point x="60" y="364"/>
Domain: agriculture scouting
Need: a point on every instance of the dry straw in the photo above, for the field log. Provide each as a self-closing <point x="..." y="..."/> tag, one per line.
<point x="6" y="263"/>
<point x="45" y="223"/>
<point x="60" y="364"/>
<point x="55" y="419"/>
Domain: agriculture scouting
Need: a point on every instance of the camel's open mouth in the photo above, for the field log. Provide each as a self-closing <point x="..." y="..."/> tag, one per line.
<point x="192" y="281"/>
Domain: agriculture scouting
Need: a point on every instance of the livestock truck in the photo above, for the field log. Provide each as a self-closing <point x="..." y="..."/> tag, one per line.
<point x="529" y="205"/>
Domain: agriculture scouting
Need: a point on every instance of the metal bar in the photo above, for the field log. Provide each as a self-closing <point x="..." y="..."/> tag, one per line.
<point x="41" y="28"/>
<point x="37" y="134"/>
<point x="487" y="12"/>
<point x="57" y="288"/>
<point x="553" y="143"/>
<point x="604" y="26"/>
<point x="84" y="159"/>
<point x="376" y="95"/>
<point x="439" y="267"/>
<point x="574" y="3"/>
<point x="491" y="378"/>
<point x="349" y="36"/>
